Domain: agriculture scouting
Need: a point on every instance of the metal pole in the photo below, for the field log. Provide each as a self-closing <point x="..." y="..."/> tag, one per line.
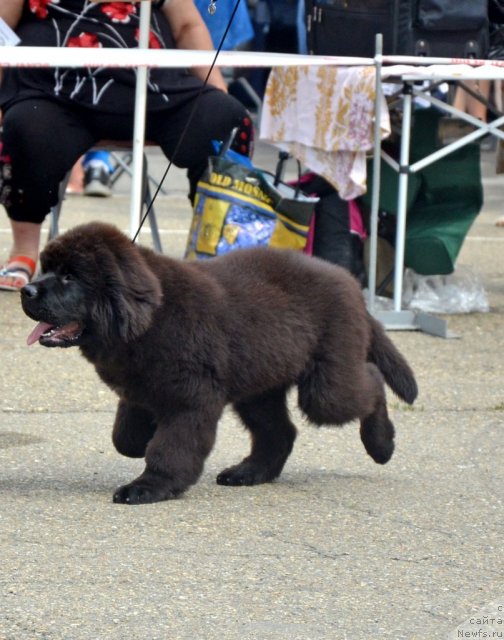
<point x="402" y="197"/>
<point x="375" y="200"/>
<point x="139" y="122"/>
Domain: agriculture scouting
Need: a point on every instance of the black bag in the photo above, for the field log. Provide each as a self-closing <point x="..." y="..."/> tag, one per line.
<point x="496" y="17"/>
<point x="333" y="239"/>
<point x="441" y="28"/>
<point x="496" y="11"/>
<point x="349" y="27"/>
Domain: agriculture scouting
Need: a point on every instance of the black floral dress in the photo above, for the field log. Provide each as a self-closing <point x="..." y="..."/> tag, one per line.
<point x="81" y="23"/>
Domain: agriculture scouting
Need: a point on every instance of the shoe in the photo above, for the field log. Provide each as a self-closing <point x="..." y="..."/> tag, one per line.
<point x="16" y="276"/>
<point x="97" y="182"/>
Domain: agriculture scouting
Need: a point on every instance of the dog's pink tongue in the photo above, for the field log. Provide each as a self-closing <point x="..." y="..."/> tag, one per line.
<point x="41" y="328"/>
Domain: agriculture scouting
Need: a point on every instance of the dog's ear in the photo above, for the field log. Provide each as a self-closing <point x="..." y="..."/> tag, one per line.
<point x="131" y="294"/>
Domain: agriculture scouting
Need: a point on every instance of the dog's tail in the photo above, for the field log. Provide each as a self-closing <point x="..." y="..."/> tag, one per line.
<point x="392" y="364"/>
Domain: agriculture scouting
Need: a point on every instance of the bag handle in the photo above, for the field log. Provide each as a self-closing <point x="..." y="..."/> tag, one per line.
<point x="226" y="145"/>
<point x="283" y="156"/>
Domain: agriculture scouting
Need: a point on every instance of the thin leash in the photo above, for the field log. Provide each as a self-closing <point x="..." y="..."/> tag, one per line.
<point x="212" y="7"/>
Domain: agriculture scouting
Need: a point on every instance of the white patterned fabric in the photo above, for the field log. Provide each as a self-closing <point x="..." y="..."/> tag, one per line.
<point x="324" y="117"/>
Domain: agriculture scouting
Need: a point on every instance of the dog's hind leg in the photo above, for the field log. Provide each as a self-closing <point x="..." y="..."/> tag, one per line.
<point x="330" y="391"/>
<point x="133" y="428"/>
<point x="175" y="456"/>
<point x="331" y="394"/>
<point x="273" y="435"/>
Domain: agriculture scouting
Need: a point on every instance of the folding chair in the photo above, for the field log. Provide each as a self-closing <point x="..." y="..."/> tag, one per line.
<point x="113" y="147"/>
<point x="123" y="164"/>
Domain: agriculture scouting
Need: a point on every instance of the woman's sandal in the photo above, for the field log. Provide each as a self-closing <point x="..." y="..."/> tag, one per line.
<point x="18" y="275"/>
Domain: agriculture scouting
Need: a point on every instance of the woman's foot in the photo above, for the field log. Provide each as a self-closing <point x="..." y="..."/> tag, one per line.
<point x="499" y="222"/>
<point x="16" y="273"/>
<point x="22" y="263"/>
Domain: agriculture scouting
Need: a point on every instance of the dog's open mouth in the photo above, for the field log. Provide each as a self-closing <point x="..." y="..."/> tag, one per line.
<point x="50" y="335"/>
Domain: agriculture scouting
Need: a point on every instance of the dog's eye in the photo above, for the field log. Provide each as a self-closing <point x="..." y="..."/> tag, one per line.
<point x="67" y="278"/>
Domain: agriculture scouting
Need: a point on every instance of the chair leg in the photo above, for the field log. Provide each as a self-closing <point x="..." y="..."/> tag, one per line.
<point x="123" y="165"/>
<point x="56" y="210"/>
<point x="156" y="238"/>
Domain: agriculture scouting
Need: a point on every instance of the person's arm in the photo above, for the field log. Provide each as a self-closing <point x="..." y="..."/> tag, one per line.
<point x="190" y="32"/>
<point x="10" y="12"/>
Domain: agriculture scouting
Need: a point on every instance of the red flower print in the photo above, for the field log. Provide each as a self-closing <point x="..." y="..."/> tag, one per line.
<point x="39" y="7"/>
<point x="84" y="40"/>
<point x="118" y="11"/>
<point x="153" y="40"/>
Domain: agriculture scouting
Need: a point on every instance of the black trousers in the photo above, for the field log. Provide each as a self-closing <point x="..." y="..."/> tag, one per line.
<point x="45" y="138"/>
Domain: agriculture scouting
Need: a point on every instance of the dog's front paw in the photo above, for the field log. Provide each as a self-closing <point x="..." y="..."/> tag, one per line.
<point x="141" y="494"/>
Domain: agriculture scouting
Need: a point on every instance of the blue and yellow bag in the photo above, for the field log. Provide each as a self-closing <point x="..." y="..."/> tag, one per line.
<point x="239" y="206"/>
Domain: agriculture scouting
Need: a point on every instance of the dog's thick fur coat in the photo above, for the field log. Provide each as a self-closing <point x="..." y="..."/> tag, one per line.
<point x="180" y="340"/>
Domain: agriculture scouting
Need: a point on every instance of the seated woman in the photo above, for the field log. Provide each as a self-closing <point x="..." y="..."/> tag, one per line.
<point x="52" y="116"/>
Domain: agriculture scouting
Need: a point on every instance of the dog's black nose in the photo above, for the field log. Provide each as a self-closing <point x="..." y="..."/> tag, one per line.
<point x="29" y="291"/>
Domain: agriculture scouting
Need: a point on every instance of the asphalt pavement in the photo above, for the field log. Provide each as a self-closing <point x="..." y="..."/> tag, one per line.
<point x="338" y="548"/>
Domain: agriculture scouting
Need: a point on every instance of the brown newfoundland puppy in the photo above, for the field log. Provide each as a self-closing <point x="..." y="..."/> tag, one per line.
<point x="178" y="341"/>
